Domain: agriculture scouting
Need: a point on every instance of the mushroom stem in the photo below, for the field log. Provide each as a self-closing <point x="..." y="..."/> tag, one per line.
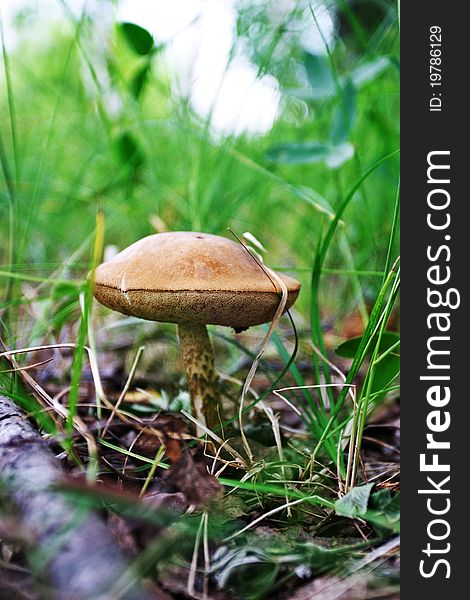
<point x="198" y="358"/>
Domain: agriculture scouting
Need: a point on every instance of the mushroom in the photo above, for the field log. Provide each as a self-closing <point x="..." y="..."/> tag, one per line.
<point x="192" y="279"/>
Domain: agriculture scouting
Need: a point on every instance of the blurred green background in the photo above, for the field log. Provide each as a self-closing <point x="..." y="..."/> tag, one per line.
<point x="258" y="116"/>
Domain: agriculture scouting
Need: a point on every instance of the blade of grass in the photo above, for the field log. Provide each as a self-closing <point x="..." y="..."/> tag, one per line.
<point x="376" y="317"/>
<point x="320" y="256"/>
<point x="86" y="304"/>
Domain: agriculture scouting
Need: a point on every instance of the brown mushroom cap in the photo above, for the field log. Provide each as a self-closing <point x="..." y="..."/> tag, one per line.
<point x="187" y="277"/>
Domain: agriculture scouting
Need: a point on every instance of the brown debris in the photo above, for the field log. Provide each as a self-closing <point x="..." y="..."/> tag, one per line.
<point x="191" y="477"/>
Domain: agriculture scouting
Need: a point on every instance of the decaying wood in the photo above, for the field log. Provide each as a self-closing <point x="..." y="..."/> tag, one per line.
<point x="75" y="554"/>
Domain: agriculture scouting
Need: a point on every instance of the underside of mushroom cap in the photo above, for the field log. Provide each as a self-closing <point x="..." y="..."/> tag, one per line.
<point x="183" y="277"/>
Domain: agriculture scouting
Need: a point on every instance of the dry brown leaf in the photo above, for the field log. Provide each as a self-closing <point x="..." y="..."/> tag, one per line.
<point x="191" y="477"/>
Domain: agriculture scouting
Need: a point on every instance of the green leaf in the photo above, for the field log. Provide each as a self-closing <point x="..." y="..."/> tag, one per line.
<point x="64" y="289"/>
<point x="129" y="150"/>
<point x="355" y="502"/>
<point x="320" y="77"/>
<point x="385" y="373"/>
<point x="322" y="83"/>
<point x="380" y="499"/>
<point x="301" y="153"/>
<point x="343" y="119"/>
<point x="369" y="71"/>
<point x="339" y="154"/>
<point x="311" y="152"/>
<point x="138" y="38"/>
<point x="349" y="348"/>
<point x="139" y="80"/>
<point x="384" y="511"/>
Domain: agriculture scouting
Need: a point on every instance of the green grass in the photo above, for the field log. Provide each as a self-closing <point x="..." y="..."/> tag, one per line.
<point x="76" y="177"/>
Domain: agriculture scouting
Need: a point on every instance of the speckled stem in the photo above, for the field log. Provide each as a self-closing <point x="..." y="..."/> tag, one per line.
<point x="198" y="358"/>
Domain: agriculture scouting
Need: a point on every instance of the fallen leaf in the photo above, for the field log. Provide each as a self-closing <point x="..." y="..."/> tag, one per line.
<point x="191" y="477"/>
